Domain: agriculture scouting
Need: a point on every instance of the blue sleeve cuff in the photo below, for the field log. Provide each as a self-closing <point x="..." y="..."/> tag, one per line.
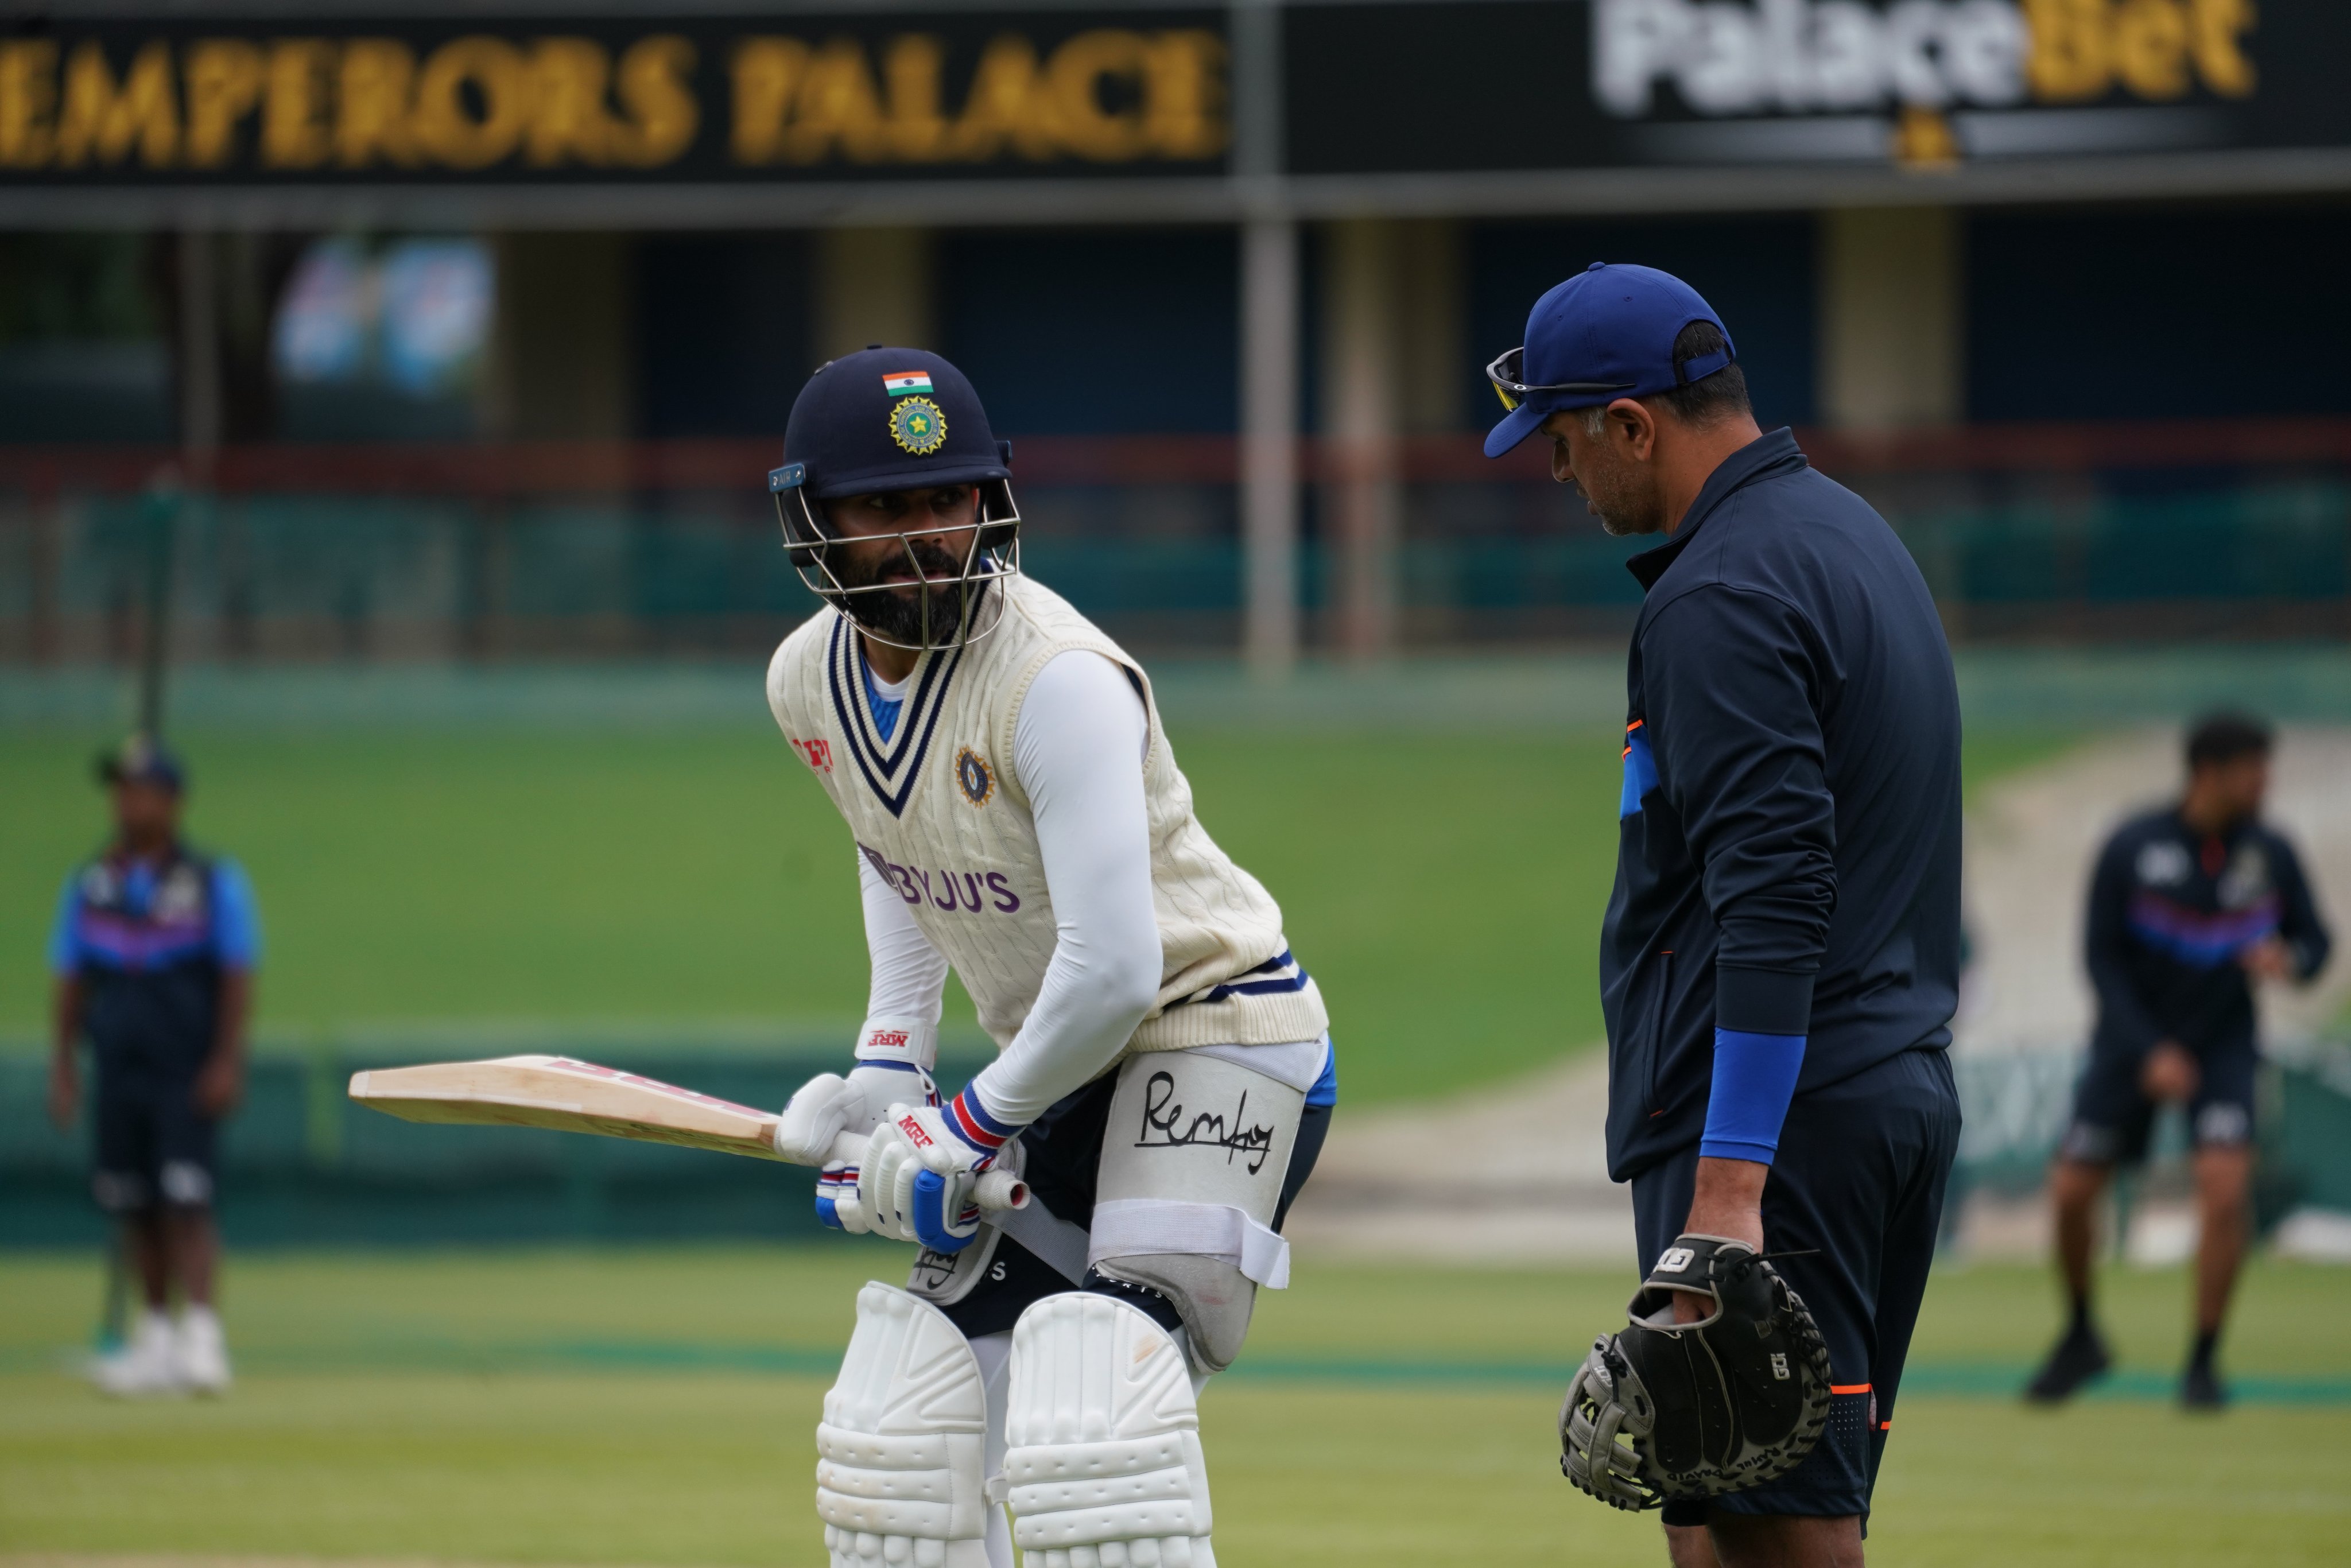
<point x="236" y="923"/>
<point x="65" y="929"/>
<point x="1754" y="1079"/>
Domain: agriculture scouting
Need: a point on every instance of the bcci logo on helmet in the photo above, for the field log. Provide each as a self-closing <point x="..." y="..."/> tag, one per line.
<point x="918" y="424"/>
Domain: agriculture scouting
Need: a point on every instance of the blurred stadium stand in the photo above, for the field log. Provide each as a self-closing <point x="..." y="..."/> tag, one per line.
<point x="2044" y="533"/>
<point x="471" y="338"/>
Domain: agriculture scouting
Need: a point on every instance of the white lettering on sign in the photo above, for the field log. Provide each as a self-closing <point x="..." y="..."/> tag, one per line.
<point x="1796" y="57"/>
<point x="1799" y="55"/>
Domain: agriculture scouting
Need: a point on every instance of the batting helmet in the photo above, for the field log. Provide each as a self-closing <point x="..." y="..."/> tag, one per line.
<point x="888" y="420"/>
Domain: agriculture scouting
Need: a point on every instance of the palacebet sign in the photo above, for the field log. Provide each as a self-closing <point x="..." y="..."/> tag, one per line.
<point x="960" y="93"/>
<point x="1681" y="84"/>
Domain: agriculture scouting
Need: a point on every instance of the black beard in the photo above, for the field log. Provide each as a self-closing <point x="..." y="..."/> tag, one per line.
<point x="899" y="619"/>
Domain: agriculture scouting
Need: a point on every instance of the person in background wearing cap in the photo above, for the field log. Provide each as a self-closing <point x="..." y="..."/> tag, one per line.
<point x="1780" y="959"/>
<point x="153" y="954"/>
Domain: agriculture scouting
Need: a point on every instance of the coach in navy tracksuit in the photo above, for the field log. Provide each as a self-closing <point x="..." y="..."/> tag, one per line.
<point x="2187" y="906"/>
<point x="1781" y="956"/>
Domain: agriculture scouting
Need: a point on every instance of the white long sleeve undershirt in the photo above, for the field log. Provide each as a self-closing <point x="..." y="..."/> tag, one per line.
<point x="1078" y="747"/>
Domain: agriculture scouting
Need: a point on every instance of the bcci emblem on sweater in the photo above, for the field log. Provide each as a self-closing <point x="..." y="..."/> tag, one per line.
<point x="974" y="776"/>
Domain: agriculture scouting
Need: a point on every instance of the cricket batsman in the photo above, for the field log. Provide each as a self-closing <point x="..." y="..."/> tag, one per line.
<point x="1165" y="1076"/>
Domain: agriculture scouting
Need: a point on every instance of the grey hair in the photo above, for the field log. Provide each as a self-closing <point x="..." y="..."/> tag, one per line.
<point x="1596" y="420"/>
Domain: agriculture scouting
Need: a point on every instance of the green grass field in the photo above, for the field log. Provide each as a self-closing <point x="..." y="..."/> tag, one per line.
<point x="667" y="878"/>
<point x="656" y="1407"/>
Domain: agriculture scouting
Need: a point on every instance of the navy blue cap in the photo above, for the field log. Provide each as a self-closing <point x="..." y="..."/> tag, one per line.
<point x="890" y="419"/>
<point x="142" y="759"/>
<point x="1611" y="326"/>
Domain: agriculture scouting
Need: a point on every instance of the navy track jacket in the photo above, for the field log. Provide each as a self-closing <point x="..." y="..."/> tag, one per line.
<point x="1788" y="855"/>
<point x="2171" y="910"/>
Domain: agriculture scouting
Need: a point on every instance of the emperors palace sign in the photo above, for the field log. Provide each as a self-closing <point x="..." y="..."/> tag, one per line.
<point x="1131" y="109"/>
<point x="798" y="97"/>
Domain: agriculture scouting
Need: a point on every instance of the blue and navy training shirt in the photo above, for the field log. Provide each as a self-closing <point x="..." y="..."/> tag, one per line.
<point x="2171" y="910"/>
<point x="1788" y="847"/>
<point x="149" y="941"/>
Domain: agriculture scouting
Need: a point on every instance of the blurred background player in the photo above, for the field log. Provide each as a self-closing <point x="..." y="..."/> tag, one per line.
<point x="1166" y="1073"/>
<point x="2189" y="905"/>
<point x="154" y="955"/>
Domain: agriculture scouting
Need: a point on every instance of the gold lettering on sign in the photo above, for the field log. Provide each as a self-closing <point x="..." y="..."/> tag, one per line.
<point x="2081" y="48"/>
<point x="2220" y="60"/>
<point x="656" y="88"/>
<point x="838" y="104"/>
<point x="1008" y="104"/>
<point x="103" y="121"/>
<point x="1185" y="106"/>
<point x="767" y="77"/>
<point x="1081" y="71"/>
<point x="222" y="79"/>
<point x="566" y="118"/>
<point x="2151" y="47"/>
<point x="473" y="102"/>
<point x="1109" y="96"/>
<point x="28" y="102"/>
<point x="2070" y="61"/>
<point x="371" y="104"/>
<point x="294" y="109"/>
<point x="910" y="76"/>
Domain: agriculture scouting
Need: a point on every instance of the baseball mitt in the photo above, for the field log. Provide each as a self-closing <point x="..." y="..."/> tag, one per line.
<point x="1665" y="1410"/>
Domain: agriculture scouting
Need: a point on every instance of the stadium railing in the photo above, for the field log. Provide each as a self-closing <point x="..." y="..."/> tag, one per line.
<point x="482" y="551"/>
<point x="303" y="1166"/>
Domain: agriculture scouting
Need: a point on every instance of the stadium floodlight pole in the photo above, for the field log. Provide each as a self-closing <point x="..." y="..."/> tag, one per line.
<point x="1268" y="347"/>
<point x="172" y="495"/>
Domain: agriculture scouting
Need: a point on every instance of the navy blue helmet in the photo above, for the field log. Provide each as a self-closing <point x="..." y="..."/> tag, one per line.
<point x="885" y="421"/>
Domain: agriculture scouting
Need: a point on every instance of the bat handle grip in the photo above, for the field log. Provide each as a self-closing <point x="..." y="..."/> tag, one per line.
<point x="1000" y="1190"/>
<point x="995" y="1190"/>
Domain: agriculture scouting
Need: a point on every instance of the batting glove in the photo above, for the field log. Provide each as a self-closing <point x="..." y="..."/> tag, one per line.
<point x="826" y="1107"/>
<point x="926" y="1161"/>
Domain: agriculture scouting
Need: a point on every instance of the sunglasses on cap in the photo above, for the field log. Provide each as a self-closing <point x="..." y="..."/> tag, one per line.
<point x="1505" y="373"/>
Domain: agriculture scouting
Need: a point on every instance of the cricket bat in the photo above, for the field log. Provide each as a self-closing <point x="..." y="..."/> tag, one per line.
<point x="569" y="1096"/>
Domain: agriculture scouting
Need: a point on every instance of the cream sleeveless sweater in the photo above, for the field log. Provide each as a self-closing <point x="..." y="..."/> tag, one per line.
<point x="939" y="811"/>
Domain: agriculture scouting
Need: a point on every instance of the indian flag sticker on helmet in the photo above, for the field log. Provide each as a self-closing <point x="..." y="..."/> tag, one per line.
<point x="918" y="426"/>
<point x="898" y="383"/>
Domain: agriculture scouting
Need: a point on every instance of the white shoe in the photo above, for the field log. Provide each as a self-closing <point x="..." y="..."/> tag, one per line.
<point x="203" y="1350"/>
<point x="146" y="1366"/>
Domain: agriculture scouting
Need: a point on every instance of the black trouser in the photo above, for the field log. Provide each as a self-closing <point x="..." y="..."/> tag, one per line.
<point x="1857" y="1195"/>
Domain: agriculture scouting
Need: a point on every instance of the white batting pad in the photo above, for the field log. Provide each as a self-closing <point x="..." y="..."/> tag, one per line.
<point x="1102" y="1440"/>
<point x="901" y="1450"/>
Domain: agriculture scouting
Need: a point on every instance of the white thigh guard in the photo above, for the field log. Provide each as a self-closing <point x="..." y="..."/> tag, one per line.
<point x="1192" y="1166"/>
<point x="901" y="1452"/>
<point x="1103" y="1462"/>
